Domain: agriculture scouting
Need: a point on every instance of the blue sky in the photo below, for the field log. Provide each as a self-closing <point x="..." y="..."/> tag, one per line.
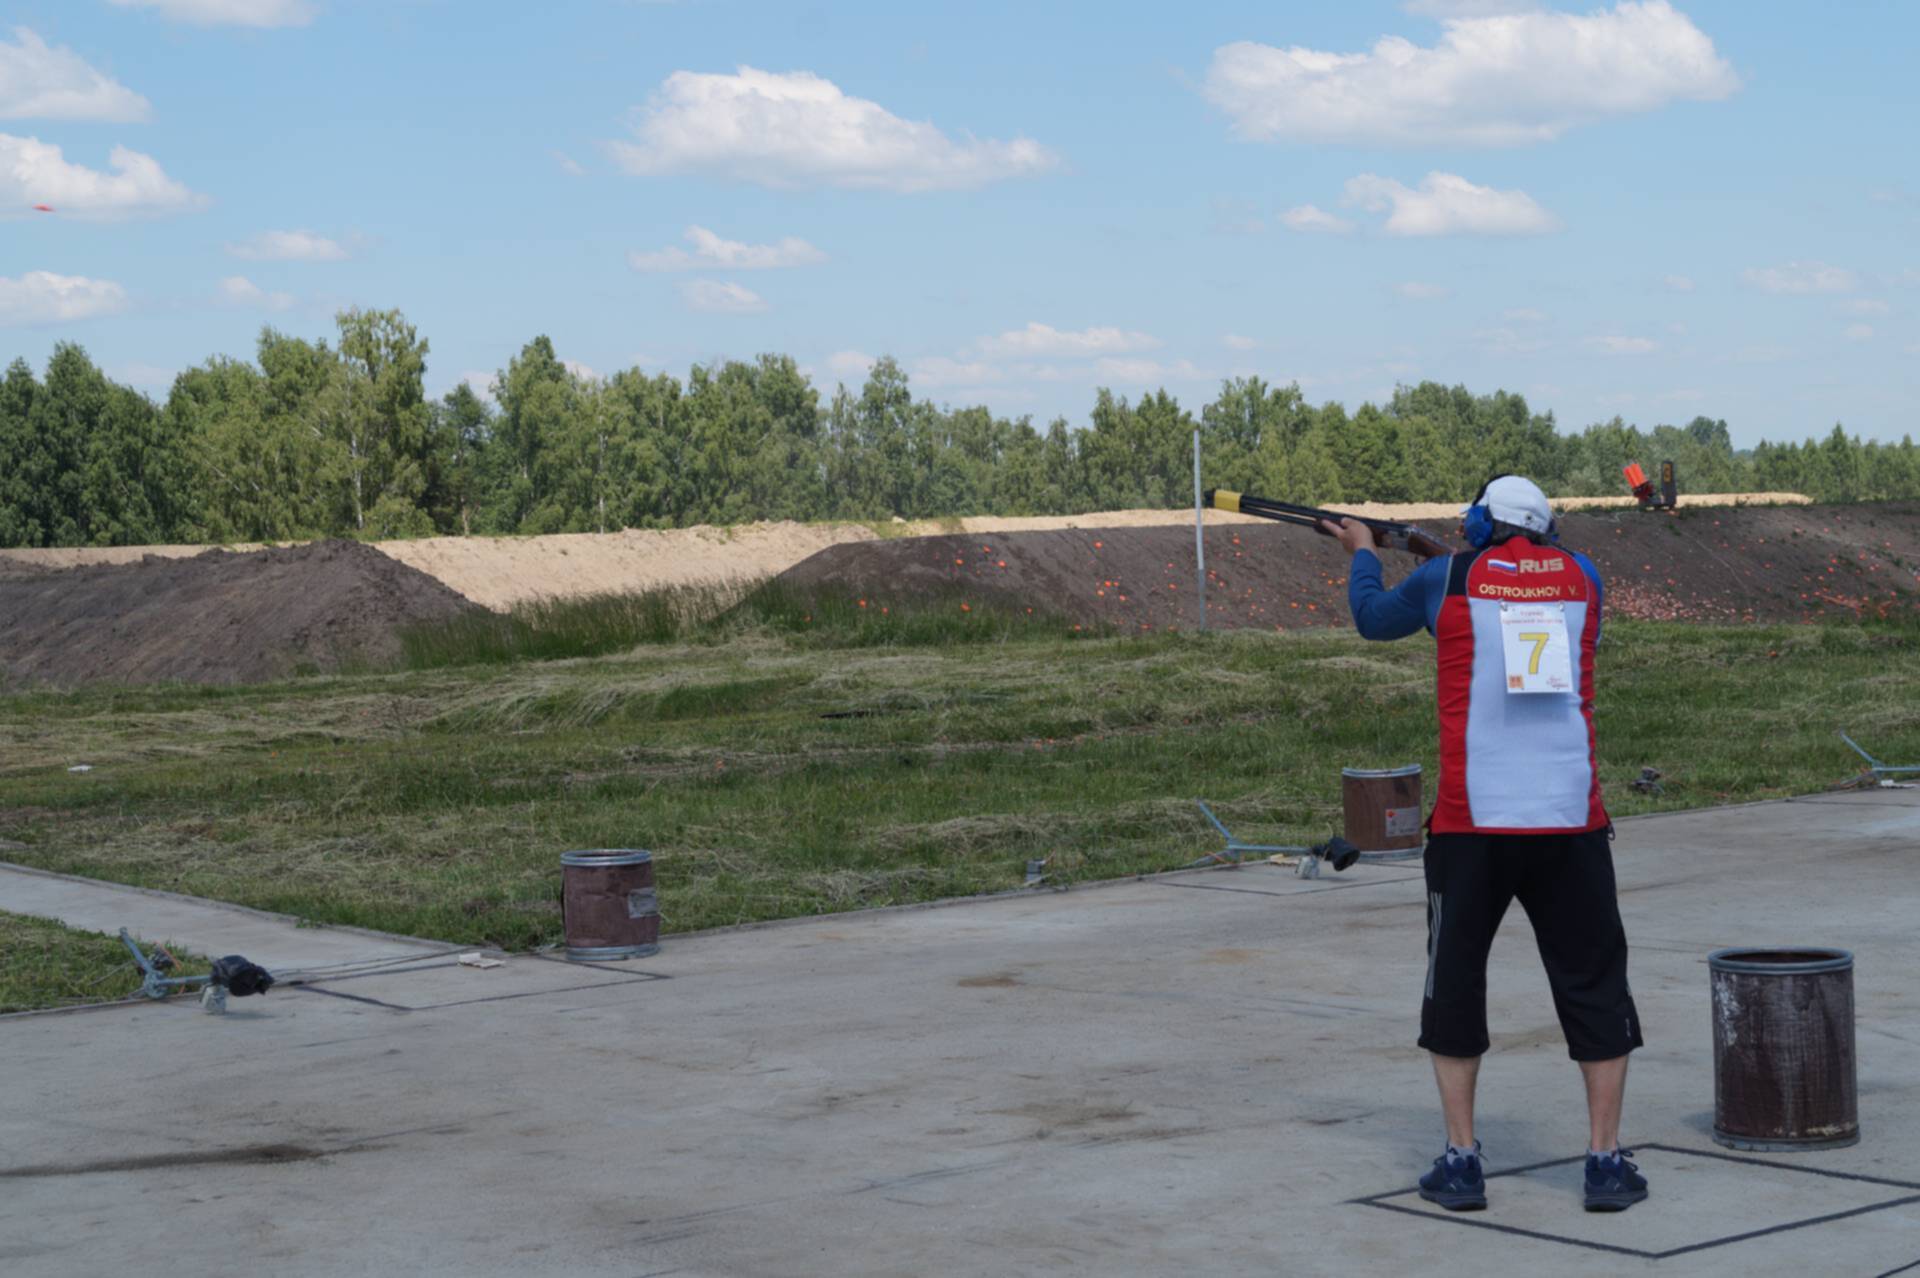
<point x="1641" y="209"/>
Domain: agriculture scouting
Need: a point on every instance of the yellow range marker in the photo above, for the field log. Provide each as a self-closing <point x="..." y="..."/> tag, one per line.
<point x="1224" y="500"/>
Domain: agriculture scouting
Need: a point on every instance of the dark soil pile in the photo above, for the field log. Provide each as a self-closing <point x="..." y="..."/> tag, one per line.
<point x="220" y="617"/>
<point x="1759" y="564"/>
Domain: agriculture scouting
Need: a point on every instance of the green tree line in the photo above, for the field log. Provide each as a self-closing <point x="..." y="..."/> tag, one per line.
<point x="319" y="438"/>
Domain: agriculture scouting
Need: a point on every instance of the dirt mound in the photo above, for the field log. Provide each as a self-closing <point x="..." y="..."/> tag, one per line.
<point x="1749" y="564"/>
<point x="219" y="617"/>
<point x="502" y="571"/>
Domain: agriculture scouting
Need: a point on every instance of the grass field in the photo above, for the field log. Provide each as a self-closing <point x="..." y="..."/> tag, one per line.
<point x="46" y="964"/>
<point x="787" y="766"/>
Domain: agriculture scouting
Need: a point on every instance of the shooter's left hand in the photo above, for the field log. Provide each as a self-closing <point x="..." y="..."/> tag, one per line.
<point x="1352" y="534"/>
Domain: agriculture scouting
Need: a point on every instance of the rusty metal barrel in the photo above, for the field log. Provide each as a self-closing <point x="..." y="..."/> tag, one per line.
<point x="609" y="909"/>
<point x="1383" y="811"/>
<point x="1784" y="1074"/>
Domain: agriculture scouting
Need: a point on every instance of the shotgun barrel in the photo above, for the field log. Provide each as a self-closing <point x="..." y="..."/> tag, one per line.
<point x="1387" y="534"/>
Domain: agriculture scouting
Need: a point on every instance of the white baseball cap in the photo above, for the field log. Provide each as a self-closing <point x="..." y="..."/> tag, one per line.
<point x="1514" y="500"/>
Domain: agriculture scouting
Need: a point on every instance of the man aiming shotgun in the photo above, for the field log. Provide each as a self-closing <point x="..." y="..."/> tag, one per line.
<point x="1387" y="534"/>
<point x="1516" y="620"/>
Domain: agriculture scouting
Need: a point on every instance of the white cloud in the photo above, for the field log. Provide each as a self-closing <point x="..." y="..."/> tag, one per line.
<point x="1129" y="370"/>
<point x="1419" y="291"/>
<point x="582" y="371"/>
<point x="1499" y="80"/>
<point x="40" y="81"/>
<point x="710" y="252"/>
<point x="1448" y="204"/>
<point x="798" y="129"/>
<point x="938" y="370"/>
<point x="1857" y="332"/>
<point x="721" y="297"/>
<point x="1308" y="217"/>
<point x="1802" y="277"/>
<point x="35" y="172"/>
<point x="850" y="363"/>
<point x="1865" y="306"/>
<point x="289" y="246"/>
<point x="480" y="383"/>
<point x="228" y="13"/>
<point x="1233" y="341"/>
<point x="1614" y="344"/>
<point x="1038" y="341"/>
<point x="1138" y="372"/>
<point x="238" y="290"/>
<point x="568" y="165"/>
<point x="1678" y="283"/>
<point x="41" y="297"/>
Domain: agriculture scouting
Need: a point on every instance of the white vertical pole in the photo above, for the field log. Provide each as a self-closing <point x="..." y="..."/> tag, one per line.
<point x="1199" y="544"/>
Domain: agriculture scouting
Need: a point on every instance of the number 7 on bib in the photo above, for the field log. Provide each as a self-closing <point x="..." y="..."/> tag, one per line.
<point x="1539" y="656"/>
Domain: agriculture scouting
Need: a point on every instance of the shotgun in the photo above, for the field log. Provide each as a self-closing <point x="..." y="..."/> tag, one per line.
<point x="1386" y="534"/>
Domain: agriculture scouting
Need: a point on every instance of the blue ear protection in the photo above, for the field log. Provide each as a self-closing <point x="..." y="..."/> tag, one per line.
<point x="1477" y="523"/>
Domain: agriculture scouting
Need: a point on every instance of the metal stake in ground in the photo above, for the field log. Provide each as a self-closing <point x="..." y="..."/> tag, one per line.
<point x="1199" y="526"/>
<point x="232" y="974"/>
<point x="1335" y="850"/>
<point x="1879" y="769"/>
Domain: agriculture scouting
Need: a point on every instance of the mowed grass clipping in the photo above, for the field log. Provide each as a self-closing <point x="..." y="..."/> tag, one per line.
<point x="44" y="963"/>
<point x="780" y="766"/>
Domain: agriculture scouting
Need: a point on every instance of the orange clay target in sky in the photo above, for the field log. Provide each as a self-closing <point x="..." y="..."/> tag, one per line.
<point x="43" y="208"/>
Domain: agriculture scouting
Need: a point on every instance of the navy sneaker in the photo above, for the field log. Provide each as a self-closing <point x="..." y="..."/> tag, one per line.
<point x="1458" y="1184"/>
<point x="1614" y="1183"/>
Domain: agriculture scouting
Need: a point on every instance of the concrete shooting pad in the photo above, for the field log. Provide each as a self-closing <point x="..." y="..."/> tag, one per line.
<point x="212" y="928"/>
<point x="1208" y="1073"/>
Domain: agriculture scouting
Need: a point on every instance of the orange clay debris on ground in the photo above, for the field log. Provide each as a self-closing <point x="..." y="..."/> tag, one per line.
<point x="499" y="571"/>
<point x="1745" y="565"/>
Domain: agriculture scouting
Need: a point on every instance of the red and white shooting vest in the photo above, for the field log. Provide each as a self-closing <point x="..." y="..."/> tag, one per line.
<point x="1515" y="759"/>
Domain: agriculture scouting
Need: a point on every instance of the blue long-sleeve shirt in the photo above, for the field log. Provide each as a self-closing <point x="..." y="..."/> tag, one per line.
<point x="1414" y="604"/>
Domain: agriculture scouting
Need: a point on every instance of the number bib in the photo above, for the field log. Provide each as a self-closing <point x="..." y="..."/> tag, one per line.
<point x="1539" y="656"/>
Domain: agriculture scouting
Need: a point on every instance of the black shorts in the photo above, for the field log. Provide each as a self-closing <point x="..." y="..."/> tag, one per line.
<point x="1565" y="884"/>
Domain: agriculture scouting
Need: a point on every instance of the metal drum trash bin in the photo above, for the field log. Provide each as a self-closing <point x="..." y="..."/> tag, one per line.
<point x="1383" y="809"/>
<point x="609" y="909"/>
<point x="1784" y="1074"/>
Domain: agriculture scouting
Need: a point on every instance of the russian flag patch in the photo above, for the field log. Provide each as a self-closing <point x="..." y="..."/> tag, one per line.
<point x="1504" y="565"/>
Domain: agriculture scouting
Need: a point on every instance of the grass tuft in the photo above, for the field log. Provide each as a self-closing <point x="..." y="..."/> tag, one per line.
<point x="826" y="618"/>
<point x="44" y="963"/>
<point x="599" y="625"/>
<point x="557" y="629"/>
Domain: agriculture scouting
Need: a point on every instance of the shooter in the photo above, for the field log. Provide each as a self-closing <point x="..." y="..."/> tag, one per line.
<point x="1516" y="619"/>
